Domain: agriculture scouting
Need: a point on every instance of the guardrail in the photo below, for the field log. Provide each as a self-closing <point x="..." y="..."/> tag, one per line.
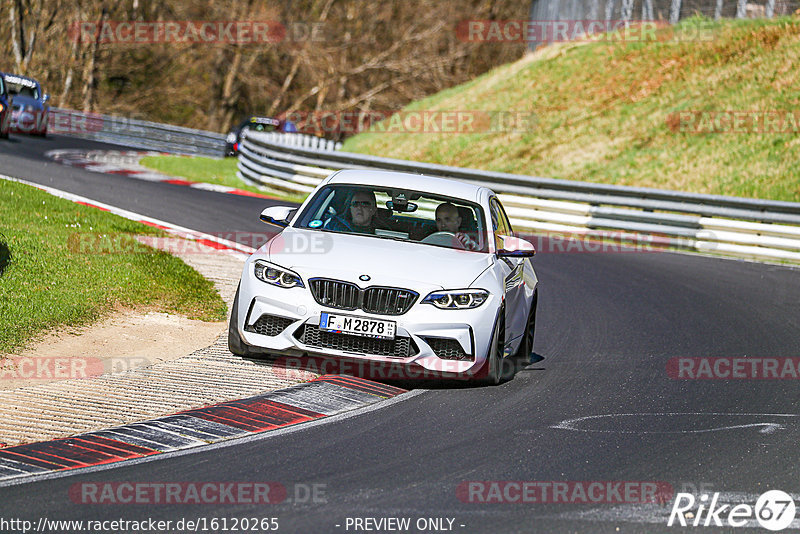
<point x="136" y="133"/>
<point x="761" y="229"/>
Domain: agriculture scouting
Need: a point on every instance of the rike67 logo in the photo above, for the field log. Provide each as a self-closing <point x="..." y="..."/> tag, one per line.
<point x="773" y="510"/>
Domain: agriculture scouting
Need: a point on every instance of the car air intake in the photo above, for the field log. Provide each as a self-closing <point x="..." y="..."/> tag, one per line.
<point x="269" y="325"/>
<point x="448" y="349"/>
<point x="348" y="296"/>
<point x="312" y="336"/>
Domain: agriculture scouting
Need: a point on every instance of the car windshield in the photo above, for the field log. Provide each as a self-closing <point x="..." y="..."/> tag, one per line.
<point x="259" y="126"/>
<point x="400" y="214"/>
<point x="23" y="90"/>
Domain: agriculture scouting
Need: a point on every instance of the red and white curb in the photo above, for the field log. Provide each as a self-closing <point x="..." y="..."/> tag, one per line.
<point x="323" y="397"/>
<point x="213" y="241"/>
<point x="126" y="163"/>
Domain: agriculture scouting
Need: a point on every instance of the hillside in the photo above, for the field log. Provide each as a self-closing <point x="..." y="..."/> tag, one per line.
<point x="719" y="116"/>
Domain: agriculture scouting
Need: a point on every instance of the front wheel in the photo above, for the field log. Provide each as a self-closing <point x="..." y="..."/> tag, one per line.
<point x="526" y="345"/>
<point x="494" y="360"/>
<point x="235" y="343"/>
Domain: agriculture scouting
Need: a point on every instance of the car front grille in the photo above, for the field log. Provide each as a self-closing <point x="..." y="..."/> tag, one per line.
<point x="348" y="296"/>
<point x="312" y="336"/>
<point x="335" y="294"/>
<point x="269" y="325"/>
<point x="448" y="349"/>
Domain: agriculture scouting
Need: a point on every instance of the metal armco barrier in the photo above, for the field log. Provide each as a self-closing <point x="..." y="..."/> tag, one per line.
<point x="761" y="229"/>
<point x="135" y="133"/>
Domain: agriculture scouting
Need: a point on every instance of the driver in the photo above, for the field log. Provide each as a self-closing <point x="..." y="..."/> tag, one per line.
<point x="362" y="211"/>
<point x="448" y="220"/>
<point x="360" y="215"/>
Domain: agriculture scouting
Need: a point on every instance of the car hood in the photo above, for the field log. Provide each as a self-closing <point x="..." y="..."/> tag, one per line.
<point x="388" y="262"/>
<point x="20" y="100"/>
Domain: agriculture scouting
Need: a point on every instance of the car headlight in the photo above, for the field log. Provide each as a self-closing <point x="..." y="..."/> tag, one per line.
<point x="231" y="138"/>
<point x="277" y="276"/>
<point x="457" y="299"/>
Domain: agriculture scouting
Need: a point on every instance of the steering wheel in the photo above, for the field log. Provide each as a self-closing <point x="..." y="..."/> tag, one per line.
<point x="340" y="220"/>
<point x="445" y="239"/>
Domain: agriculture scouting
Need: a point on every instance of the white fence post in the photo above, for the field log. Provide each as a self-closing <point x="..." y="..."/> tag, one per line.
<point x="675" y="12"/>
<point x="627" y="11"/>
<point x="741" y="9"/>
<point x="609" y="9"/>
<point x="718" y="10"/>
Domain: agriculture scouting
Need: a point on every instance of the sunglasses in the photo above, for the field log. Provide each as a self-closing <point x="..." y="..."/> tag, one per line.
<point x="361" y="204"/>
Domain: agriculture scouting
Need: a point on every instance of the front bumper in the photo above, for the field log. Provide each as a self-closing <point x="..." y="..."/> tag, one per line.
<point x="286" y="322"/>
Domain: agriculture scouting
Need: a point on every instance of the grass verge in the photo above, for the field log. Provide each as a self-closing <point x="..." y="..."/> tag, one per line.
<point x="210" y="171"/>
<point x="70" y="264"/>
<point x="606" y="112"/>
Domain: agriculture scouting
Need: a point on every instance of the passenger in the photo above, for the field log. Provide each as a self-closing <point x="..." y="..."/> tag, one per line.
<point x="448" y="220"/>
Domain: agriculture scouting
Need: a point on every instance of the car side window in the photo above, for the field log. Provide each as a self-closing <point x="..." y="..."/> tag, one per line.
<point x="504" y="218"/>
<point x="500" y="223"/>
<point x="493" y="214"/>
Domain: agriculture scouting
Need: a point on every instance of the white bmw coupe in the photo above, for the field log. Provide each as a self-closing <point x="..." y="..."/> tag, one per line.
<point x="395" y="268"/>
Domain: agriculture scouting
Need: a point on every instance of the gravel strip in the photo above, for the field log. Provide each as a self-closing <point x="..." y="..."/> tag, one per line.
<point x="207" y="376"/>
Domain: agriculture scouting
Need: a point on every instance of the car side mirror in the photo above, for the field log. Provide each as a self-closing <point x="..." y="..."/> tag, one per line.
<point x="278" y="215"/>
<point x="514" y="247"/>
<point x="45" y="98"/>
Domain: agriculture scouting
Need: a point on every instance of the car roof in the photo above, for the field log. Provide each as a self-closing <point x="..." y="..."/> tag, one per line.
<point x="413" y="182"/>
<point x="15" y="78"/>
<point x="270" y="120"/>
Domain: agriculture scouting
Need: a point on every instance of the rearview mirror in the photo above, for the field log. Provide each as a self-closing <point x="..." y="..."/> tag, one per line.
<point x="45" y="98"/>
<point x="404" y="207"/>
<point x="278" y="215"/>
<point x="515" y="247"/>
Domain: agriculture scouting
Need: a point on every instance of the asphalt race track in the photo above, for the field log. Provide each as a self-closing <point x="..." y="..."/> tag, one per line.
<point x="608" y="323"/>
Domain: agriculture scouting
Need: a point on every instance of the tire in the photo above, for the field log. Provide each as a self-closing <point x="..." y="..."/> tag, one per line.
<point x="526" y="346"/>
<point x="494" y="361"/>
<point x="235" y="343"/>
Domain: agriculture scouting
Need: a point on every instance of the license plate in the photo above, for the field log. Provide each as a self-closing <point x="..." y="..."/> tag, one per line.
<point x="358" y="326"/>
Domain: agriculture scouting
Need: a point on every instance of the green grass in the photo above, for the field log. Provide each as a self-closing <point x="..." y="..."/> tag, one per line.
<point x="71" y="264"/>
<point x="604" y="112"/>
<point x="211" y="171"/>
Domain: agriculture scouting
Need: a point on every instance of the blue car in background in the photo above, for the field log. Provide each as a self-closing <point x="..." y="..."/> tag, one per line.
<point x="257" y="124"/>
<point x="5" y="109"/>
<point x="29" y="110"/>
